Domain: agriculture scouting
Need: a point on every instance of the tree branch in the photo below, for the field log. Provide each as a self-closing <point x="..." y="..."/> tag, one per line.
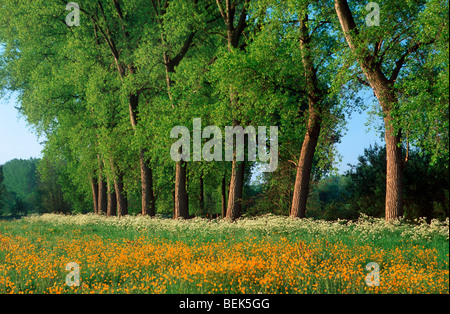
<point x="400" y="62"/>
<point x="224" y="16"/>
<point x="230" y="13"/>
<point x="318" y="25"/>
<point x="242" y="23"/>
<point x="187" y="44"/>
<point x="362" y="81"/>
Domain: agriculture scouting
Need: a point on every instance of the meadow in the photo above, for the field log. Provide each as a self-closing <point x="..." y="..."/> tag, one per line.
<point x="265" y="254"/>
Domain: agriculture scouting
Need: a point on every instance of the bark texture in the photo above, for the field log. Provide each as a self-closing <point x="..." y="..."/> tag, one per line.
<point x="147" y="192"/>
<point x="181" y="198"/>
<point x="234" y="205"/>
<point x="112" y="200"/>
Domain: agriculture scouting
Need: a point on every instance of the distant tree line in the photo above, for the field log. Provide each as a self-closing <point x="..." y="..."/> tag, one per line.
<point x="24" y="190"/>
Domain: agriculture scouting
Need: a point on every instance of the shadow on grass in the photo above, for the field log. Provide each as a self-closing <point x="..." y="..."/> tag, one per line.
<point x="12" y="217"/>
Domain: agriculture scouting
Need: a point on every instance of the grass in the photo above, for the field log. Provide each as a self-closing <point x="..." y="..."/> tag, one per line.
<point x="267" y="254"/>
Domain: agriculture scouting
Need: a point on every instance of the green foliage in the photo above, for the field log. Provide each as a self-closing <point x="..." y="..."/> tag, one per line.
<point x="20" y="183"/>
<point x="20" y="176"/>
<point x="2" y="190"/>
<point x="425" y="86"/>
<point x="426" y="186"/>
<point x="32" y="186"/>
<point x="74" y="86"/>
<point x="411" y="48"/>
<point x="328" y="199"/>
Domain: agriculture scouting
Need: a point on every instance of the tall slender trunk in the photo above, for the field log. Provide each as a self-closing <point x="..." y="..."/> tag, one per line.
<point x="94" y="186"/>
<point x="384" y="91"/>
<point x="171" y="60"/>
<point x="181" y="206"/>
<point x="102" y="203"/>
<point x="112" y="200"/>
<point x="133" y="97"/>
<point x="181" y="197"/>
<point x="122" y="202"/>
<point x="147" y="192"/>
<point x="394" y="172"/>
<point x="201" y="197"/>
<point x="235" y="26"/>
<point x="169" y="69"/>
<point x="224" y="198"/>
<point x="234" y="205"/>
<point x="236" y="186"/>
<point x="121" y="197"/>
<point x="304" y="166"/>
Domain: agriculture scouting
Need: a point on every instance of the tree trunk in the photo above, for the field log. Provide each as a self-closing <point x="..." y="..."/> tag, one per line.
<point x="394" y="172"/>
<point x="101" y="207"/>
<point x="234" y="206"/>
<point x="181" y="197"/>
<point x="112" y="200"/>
<point x="236" y="186"/>
<point x="235" y="26"/>
<point x="304" y="166"/>
<point x="384" y="91"/>
<point x="147" y="193"/>
<point x="224" y="198"/>
<point x="102" y="202"/>
<point x="201" y="196"/>
<point x="122" y="203"/>
<point x="94" y="186"/>
<point x="181" y="206"/>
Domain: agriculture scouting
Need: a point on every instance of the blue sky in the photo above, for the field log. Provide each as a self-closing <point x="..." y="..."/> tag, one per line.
<point x="358" y="137"/>
<point x="18" y="141"/>
<point x="16" y="138"/>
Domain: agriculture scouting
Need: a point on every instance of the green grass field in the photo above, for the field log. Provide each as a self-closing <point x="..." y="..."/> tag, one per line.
<point x="267" y="254"/>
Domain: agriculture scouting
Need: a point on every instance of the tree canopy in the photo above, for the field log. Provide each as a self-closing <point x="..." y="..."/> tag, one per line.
<point x="107" y="81"/>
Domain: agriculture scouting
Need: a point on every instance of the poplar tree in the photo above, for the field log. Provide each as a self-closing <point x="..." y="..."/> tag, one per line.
<point x="385" y="40"/>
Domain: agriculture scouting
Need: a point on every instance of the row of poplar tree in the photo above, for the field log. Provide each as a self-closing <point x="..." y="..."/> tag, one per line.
<point x="105" y="81"/>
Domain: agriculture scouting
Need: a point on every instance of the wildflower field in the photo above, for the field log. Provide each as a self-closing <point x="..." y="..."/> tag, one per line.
<point x="266" y="254"/>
